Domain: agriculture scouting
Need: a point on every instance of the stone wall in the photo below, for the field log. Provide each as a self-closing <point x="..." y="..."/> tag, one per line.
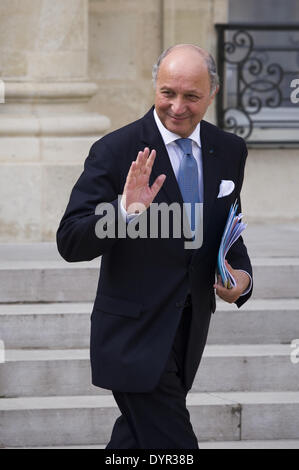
<point x="127" y="36"/>
<point x="46" y="127"/>
<point x="270" y="190"/>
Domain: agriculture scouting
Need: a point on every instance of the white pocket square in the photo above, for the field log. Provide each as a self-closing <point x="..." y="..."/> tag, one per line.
<point x="226" y="187"/>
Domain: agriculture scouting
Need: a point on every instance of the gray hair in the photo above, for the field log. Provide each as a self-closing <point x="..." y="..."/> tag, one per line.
<point x="209" y="59"/>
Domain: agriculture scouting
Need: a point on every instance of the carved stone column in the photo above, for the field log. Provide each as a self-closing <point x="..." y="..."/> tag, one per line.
<point x="46" y="128"/>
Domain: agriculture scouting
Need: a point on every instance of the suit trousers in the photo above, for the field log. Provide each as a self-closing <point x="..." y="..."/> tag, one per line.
<point x="158" y="419"/>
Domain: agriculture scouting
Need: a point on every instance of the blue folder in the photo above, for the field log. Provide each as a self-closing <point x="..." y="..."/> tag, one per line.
<point x="233" y="229"/>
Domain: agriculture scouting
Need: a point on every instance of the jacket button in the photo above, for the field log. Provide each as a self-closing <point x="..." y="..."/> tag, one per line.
<point x="179" y="304"/>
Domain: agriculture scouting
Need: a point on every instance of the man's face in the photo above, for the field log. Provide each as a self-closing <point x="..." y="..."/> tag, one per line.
<point x="182" y="92"/>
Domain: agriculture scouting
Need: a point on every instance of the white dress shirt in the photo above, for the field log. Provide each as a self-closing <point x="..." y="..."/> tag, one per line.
<point x="176" y="154"/>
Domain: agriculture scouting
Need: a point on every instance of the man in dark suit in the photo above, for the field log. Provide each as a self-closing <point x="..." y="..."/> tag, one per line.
<point x="155" y="297"/>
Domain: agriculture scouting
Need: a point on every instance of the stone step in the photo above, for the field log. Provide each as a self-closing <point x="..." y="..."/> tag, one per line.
<point x="58" y="281"/>
<point x="277" y="444"/>
<point x="48" y="281"/>
<point x="88" y="420"/>
<point x="45" y="276"/>
<point x="258" y="321"/>
<point x="45" y="325"/>
<point x="67" y="325"/>
<point x="44" y="251"/>
<point x="223" y="367"/>
<point x="262" y="240"/>
<point x="275" y="278"/>
<point x="270" y="239"/>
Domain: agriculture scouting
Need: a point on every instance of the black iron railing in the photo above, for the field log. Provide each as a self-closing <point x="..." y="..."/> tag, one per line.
<point x="257" y="65"/>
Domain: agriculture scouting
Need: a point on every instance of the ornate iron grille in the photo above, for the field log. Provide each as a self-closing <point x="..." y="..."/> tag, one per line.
<point x="256" y="66"/>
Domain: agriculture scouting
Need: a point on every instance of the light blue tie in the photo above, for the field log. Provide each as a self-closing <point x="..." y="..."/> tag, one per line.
<point x="188" y="178"/>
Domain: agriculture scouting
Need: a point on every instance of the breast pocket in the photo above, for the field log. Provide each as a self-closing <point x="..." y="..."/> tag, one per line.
<point x="119" y="307"/>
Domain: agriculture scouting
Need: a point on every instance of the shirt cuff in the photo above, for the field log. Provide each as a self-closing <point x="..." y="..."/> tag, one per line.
<point x="127" y="217"/>
<point x="250" y="283"/>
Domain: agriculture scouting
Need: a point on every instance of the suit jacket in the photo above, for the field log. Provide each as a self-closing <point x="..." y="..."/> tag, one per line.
<point x="144" y="282"/>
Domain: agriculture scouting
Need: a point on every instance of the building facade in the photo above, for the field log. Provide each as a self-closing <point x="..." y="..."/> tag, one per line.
<point x="72" y="70"/>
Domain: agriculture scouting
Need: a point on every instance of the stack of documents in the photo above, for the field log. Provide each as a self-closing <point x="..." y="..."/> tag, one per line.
<point x="233" y="229"/>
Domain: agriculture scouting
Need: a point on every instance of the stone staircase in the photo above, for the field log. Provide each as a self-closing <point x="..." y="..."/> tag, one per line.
<point x="246" y="392"/>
